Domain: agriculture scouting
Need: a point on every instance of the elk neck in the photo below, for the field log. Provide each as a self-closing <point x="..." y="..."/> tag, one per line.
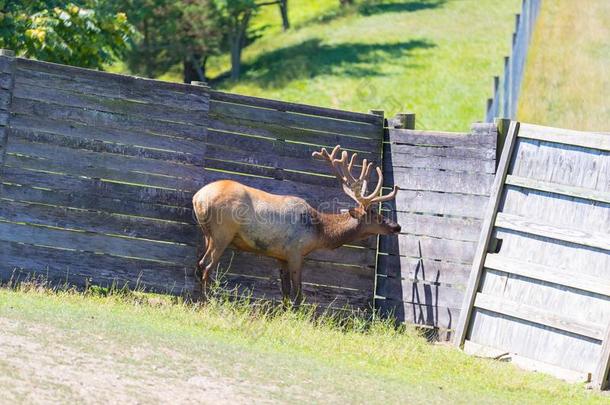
<point x="338" y="229"/>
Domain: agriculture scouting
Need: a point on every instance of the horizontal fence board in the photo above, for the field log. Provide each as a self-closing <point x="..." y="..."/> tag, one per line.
<point x="314" y="272"/>
<point x="97" y="188"/>
<point x="540" y="316"/>
<point x="437" y="180"/>
<point x="85" y="268"/>
<point x="591" y="140"/>
<point x="471" y="165"/>
<point x="296" y="108"/>
<point x="428" y="138"/>
<point x="570" y="191"/>
<point x="466" y="229"/>
<point x="429" y="248"/>
<point x="261" y="116"/>
<point x="105" y="84"/>
<point x="81" y="160"/>
<point x="64" y="133"/>
<point x="321" y="296"/>
<point x="420" y="314"/>
<point x="453" y="152"/>
<point x="101" y="119"/>
<point x="238" y="125"/>
<point x="94" y="202"/>
<point x="432" y="271"/>
<point x="98" y="222"/>
<point x="520" y="224"/>
<point x="553" y="275"/>
<point x="420" y="292"/>
<point x="152" y="112"/>
<point x="431" y="202"/>
<point x="125" y="247"/>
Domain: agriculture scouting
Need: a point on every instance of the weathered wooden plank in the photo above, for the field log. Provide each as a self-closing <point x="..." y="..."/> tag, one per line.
<point x="6" y="81"/>
<point x="427" y="138"/>
<point x="102" y="119"/>
<point x="414" y="160"/>
<point x="433" y="271"/>
<point x="117" y="106"/>
<point x="556" y="188"/>
<point x="563" y="277"/>
<point x="453" y="152"/>
<point x="520" y="224"/>
<point x="72" y="165"/>
<point x="466" y="229"/>
<point x="485" y="236"/>
<point x="539" y="316"/>
<point x="438" y="180"/>
<point x="76" y="199"/>
<point x="526" y="363"/>
<point x="322" y="296"/>
<point x="432" y="202"/>
<point x="419" y="314"/>
<point x="98" y="188"/>
<point x="5" y="64"/>
<point x="314" y="272"/>
<point x="297" y="108"/>
<point x="83" y="159"/>
<point x="244" y="113"/>
<point x="592" y="140"/>
<point x="114" y="85"/>
<point x="87" y="241"/>
<point x="298" y="135"/>
<point x="426" y="247"/>
<point x="85" y="268"/>
<point x="602" y="371"/>
<point x="429" y="294"/>
<point x="99" y="222"/>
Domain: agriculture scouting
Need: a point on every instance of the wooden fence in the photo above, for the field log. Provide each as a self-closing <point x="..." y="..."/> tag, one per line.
<point x="445" y="181"/>
<point x="98" y="171"/>
<point x="539" y="288"/>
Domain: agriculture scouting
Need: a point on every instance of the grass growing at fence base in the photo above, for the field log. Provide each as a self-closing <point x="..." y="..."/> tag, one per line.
<point x="567" y="76"/>
<point x="259" y="352"/>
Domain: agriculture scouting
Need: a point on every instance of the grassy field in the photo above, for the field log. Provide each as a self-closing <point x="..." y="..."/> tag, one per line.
<point x="136" y="348"/>
<point x="432" y="57"/>
<point x="567" y="76"/>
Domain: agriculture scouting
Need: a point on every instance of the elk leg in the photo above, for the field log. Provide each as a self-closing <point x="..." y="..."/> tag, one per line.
<point x="295" y="266"/>
<point x="217" y="247"/>
<point x="201" y="260"/>
<point x="285" y="277"/>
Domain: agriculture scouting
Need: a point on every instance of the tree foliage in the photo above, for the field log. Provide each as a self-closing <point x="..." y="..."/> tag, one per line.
<point x="74" y="34"/>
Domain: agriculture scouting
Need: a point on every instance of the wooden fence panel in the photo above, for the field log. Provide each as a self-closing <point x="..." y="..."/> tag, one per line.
<point x="539" y="285"/>
<point x="445" y="181"/>
<point x="98" y="172"/>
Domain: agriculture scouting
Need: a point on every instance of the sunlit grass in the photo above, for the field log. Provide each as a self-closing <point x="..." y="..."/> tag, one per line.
<point x="350" y="359"/>
<point x="432" y="57"/>
<point x="567" y="77"/>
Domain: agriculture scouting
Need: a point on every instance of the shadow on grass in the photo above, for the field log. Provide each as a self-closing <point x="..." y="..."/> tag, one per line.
<point x="313" y="58"/>
<point x="399" y="7"/>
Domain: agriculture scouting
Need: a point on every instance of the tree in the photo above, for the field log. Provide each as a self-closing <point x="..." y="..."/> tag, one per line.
<point x="72" y="34"/>
<point x="284" y="12"/>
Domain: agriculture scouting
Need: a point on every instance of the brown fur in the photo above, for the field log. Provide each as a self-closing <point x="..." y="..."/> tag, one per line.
<point x="283" y="227"/>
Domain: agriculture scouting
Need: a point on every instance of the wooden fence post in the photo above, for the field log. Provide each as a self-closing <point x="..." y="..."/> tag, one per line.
<point x="404" y="120"/>
<point x="7" y="52"/>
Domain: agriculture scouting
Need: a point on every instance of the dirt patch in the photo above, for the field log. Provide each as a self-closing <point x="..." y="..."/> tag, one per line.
<point x="40" y="364"/>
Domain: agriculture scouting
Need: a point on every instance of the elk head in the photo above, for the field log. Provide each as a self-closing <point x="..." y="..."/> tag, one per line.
<point x="370" y="220"/>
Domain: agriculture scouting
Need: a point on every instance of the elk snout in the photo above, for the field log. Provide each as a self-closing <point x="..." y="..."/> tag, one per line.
<point x="396" y="228"/>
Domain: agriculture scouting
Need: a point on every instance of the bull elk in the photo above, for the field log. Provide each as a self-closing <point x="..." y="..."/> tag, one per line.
<point x="286" y="227"/>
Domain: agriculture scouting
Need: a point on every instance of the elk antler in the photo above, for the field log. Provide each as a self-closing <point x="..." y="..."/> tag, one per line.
<point x="355" y="188"/>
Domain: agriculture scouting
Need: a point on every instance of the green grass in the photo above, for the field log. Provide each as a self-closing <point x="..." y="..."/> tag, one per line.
<point x="567" y="76"/>
<point x="278" y="355"/>
<point x="433" y="57"/>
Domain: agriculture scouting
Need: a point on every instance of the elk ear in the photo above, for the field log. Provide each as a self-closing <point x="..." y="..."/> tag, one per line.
<point x="356" y="212"/>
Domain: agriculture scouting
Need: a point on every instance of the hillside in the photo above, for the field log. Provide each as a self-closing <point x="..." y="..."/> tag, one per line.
<point x="433" y="57"/>
<point x="567" y="76"/>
